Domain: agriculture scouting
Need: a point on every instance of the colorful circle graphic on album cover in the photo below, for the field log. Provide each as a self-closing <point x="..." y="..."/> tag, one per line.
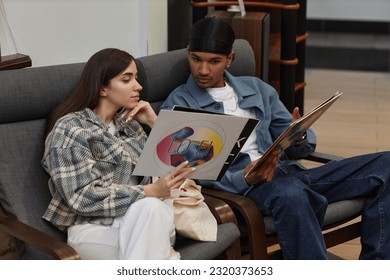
<point x="197" y="145"/>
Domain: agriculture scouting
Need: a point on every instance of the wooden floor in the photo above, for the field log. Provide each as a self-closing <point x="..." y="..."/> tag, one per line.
<point x="358" y="123"/>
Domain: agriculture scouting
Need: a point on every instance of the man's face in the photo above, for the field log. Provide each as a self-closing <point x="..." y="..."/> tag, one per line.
<point x="208" y="68"/>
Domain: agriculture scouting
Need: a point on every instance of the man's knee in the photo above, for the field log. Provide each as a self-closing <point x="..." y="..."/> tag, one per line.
<point x="290" y="193"/>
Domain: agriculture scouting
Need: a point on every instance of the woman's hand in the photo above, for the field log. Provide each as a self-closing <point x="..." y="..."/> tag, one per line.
<point x="264" y="173"/>
<point x="143" y="113"/>
<point x="173" y="180"/>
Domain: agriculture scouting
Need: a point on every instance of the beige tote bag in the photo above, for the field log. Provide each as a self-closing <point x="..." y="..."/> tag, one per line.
<point x="193" y="218"/>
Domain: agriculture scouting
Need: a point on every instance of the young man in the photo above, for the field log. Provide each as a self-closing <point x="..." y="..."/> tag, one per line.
<point x="296" y="197"/>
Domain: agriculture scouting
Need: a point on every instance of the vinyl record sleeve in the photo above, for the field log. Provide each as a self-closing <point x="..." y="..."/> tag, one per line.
<point x="295" y="130"/>
<point x="210" y="142"/>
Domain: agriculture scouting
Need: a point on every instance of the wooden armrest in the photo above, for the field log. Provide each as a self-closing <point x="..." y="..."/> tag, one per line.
<point x="38" y="239"/>
<point x="252" y="216"/>
<point x="220" y="209"/>
<point x="224" y="214"/>
<point x="322" y="157"/>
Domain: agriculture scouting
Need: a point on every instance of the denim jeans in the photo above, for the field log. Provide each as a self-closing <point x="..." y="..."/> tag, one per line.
<point x="297" y="199"/>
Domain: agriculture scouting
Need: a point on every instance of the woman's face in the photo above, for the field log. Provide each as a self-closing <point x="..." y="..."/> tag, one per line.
<point x="124" y="89"/>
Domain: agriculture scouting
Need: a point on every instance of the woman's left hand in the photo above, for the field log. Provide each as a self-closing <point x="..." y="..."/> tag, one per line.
<point x="143" y="113"/>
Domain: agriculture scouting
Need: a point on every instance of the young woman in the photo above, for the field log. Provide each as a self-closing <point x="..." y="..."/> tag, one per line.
<point x="90" y="153"/>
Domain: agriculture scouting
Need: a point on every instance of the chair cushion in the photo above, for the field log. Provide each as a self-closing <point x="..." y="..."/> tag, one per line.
<point x="343" y="210"/>
<point x="24" y="192"/>
<point x="32" y="93"/>
<point x="337" y="213"/>
<point x="8" y="245"/>
<point x="29" y="95"/>
<point x="195" y="250"/>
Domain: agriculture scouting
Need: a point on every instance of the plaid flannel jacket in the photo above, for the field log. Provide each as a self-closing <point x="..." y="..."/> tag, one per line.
<point x="91" y="170"/>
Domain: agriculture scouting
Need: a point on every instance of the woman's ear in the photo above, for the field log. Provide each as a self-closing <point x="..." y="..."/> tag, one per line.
<point x="103" y="91"/>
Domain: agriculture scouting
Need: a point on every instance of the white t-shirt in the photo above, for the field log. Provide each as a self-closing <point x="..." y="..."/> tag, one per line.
<point x="111" y="127"/>
<point x="228" y="96"/>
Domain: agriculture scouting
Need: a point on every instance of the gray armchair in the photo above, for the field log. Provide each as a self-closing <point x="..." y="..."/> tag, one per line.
<point x="27" y="96"/>
<point x="257" y="232"/>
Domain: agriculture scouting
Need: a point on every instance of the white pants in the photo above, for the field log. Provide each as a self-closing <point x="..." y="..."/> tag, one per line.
<point x="145" y="232"/>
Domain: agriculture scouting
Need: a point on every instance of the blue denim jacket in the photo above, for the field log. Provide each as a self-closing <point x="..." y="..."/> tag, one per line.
<point x="273" y="115"/>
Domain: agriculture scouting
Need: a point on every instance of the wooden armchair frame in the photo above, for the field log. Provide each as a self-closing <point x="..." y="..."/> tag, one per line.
<point x="256" y="244"/>
<point x="62" y="251"/>
<point x="42" y="241"/>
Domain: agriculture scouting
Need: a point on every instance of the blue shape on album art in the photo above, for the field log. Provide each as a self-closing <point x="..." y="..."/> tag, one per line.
<point x="197" y="145"/>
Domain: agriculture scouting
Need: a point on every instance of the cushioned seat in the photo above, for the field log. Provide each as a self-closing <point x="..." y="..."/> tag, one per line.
<point x="157" y="83"/>
<point x="193" y="250"/>
<point x="336" y="213"/>
<point x="27" y="96"/>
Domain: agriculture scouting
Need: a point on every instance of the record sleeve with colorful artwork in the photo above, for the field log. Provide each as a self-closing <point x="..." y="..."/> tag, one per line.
<point x="295" y="131"/>
<point x="209" y="142"/>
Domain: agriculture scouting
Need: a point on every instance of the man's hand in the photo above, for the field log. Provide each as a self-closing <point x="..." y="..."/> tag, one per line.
<point x="295" y="114"/>
<point x="263" y="173"/>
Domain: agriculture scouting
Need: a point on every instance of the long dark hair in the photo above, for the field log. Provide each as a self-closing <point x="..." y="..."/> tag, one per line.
<point x="98" y="72"/>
